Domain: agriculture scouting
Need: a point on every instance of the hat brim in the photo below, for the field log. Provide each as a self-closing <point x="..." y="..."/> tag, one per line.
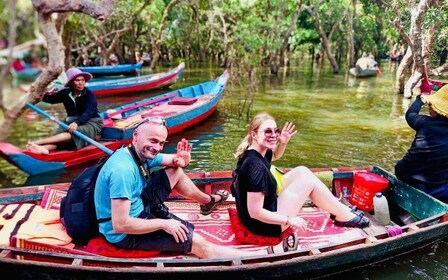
<point x="429" y="100"/>
<point x="87" y="76"/>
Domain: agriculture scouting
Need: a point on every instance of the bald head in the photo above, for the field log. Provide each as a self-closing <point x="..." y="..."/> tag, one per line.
<point x="150" y="129"/>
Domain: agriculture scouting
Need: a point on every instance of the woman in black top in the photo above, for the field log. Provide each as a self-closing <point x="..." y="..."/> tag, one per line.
<point x="260" y="208"/>
<point x="425" y="165"/>
<point x="82" y="115"/>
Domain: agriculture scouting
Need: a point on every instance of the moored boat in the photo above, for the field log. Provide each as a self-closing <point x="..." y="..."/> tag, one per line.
<point x="181" y="108"/>
<point x="364" y="72"/>
<point x="29" y="73"/>
<point x="136" y="84"/>
<point x="323" y="249"/>
<point x="113" y="70"/>
<point x="428" y="85"/>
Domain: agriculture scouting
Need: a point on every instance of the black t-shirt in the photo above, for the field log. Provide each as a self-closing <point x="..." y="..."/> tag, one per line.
<point x="253" y="175"/>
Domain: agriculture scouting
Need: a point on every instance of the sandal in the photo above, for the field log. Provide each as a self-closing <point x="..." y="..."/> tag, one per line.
<point x="358" y="221"/>
<point x="354" y="209"/>
<point x="208" y="208"/>
<point x="287" y="247"/>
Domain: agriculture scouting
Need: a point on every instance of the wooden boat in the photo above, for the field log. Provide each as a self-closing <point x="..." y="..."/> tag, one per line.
<point x="26" y="74"/>
<point x="426" y="86"/>
<point x="136" y="84"/>
<point x="181" y="108"/>
<point x="363" y="73"/>
<point x="396" y="57"/>
<point x="113" y="70"/>
<point x="323" y="250"/>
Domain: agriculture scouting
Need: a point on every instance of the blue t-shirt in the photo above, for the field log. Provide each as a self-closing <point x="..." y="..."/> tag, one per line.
<point x="120" y="178"/>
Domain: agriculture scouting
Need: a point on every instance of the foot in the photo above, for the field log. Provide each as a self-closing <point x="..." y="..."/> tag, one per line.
<point x="222" y="195"/>
<point x="37" y="149"/>
<point x="357" y="221"/>
<point x="353" y="209"/>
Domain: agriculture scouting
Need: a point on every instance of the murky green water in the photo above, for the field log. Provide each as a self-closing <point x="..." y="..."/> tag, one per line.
<point x="342" y="121"/>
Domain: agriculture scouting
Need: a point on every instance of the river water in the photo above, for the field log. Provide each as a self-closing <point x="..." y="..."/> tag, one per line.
<point x="341" y="121"/>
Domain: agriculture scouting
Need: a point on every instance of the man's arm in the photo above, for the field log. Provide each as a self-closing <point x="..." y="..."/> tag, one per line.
<point x="123" y="223"/>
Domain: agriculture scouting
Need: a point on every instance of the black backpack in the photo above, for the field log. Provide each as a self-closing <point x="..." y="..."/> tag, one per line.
<point x="77" y="212"/>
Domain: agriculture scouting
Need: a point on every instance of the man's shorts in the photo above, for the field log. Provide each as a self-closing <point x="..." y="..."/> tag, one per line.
<point x="156" y="192"/>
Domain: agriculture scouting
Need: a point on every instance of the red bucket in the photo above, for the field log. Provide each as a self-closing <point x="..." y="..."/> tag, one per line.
<point x="365" y="185"/>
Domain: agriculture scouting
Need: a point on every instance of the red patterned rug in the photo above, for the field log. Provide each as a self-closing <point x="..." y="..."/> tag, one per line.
<point x="217" y="228"/>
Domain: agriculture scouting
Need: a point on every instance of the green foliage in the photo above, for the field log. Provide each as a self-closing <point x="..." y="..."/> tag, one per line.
<point x="246" y="32"/>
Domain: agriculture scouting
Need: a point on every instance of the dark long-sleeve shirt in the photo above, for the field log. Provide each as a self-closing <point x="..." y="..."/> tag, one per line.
<point x="84" y="107"/>
<point x="425" y="165"/>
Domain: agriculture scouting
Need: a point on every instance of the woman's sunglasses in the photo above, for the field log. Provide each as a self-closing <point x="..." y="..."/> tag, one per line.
<point x="269" y="132"/>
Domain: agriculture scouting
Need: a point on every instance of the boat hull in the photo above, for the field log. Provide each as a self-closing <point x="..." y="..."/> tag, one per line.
<point x="136" y="84"/>
<point x="113" y="70"/>
<point x="364" y="73"/>
<point x="323" y="260"/>
<point x="26" y="74"/>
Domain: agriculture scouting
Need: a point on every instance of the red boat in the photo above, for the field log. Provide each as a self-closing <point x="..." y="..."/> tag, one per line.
<point x="136" y="84"/>
<point x="181" y="108"/>
<point x="429" y="85"/>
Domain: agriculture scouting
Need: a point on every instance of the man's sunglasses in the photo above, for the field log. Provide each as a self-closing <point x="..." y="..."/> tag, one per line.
<point x="269" y="132"/>
<point x="155" y="120"/>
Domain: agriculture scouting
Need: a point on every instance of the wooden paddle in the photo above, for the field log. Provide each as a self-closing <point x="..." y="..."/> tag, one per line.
<point x="65" y="126"/>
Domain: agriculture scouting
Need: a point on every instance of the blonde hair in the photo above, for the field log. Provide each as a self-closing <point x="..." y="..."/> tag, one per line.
<point x="254" y="124"/>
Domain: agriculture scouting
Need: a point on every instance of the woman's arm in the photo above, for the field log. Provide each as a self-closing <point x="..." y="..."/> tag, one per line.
<point x="287" y="132"/>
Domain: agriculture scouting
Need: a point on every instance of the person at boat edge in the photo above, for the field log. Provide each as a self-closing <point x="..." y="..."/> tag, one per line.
<point x="129" y="198"/>
<point x="82" y="115"/>
<point x="425" y="164"/>
<point x="261" y="207"/>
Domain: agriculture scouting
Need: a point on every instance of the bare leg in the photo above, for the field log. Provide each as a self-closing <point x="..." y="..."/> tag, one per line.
<point x="43" y="146"/>
<point x="183" y="185"/>
<point x="301" y="183"/>
<point x="205" y="249"/>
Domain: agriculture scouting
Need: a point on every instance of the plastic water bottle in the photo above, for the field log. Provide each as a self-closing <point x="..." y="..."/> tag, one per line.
<point x="381" y="209"/>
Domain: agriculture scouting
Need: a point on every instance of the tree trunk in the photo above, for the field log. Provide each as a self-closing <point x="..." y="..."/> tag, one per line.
<point x="325" y="39"/>
<point x="157" y="40"/>
<point x="55" y="49"/>
<point x="292" y="26"/>
<point x="351" y="37"/>
<point x="415" y="52"/>
<point x="402" y="70"/>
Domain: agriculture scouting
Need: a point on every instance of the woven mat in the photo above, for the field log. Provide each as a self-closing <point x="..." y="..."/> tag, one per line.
<point x="216" y="227"/>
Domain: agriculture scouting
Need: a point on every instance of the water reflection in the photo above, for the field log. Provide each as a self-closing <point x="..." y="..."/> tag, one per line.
<point x="342" y="120"/>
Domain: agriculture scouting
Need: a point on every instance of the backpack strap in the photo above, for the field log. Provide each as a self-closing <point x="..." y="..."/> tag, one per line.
<point x="138" y="161"/>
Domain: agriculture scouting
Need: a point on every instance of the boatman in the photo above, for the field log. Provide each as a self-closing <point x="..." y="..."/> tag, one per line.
<point x="82" y="115"/>
<point x="425" y="165"/>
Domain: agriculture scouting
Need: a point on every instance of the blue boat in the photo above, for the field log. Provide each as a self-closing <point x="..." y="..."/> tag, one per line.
<point x="181" y="108"/>
<point x="113" y="70"/>
<point x="136" y="84"/>
<point x="26" y="74"/>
